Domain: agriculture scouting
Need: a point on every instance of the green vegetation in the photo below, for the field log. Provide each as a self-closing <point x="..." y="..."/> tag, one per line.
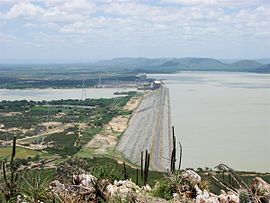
<point x="33" y="184"/>
<point x="164" y="190"/>
<point x="109" y="168"/>
<point x="22" y="153"/>
<point x="57" y="127"/>
<point x="111" y="72"/>
<point x="63" y="143"/>
<point x="88" y="134"/>
<point x="51" y="76"/>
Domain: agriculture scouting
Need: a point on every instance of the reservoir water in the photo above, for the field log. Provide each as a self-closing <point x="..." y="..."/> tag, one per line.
<point x="56" y="94"/>
<point x="221" y="118"/>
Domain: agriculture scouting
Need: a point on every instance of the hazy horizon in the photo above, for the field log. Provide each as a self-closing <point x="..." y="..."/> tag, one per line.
<point x="82" y="61"/>
<point x="90" y="30"/>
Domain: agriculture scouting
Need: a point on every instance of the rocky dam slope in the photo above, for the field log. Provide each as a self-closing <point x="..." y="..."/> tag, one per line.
<point x="149" y="129"/>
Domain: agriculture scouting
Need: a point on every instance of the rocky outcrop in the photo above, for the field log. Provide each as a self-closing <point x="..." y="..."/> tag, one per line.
<point x="190" y="191"/>
<point x="261" y="189"/>
<point x="87" y="188"/>
<point x="188" y="187"/>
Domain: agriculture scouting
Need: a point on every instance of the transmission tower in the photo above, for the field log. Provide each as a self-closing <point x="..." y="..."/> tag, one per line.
<point x="83" y="91"/>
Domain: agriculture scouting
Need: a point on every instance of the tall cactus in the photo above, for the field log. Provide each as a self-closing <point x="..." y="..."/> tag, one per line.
<point x="173" y="155"/>
<point x="141" y="165"/>
<point x="125" y="170"/>
<point x="180" y="156"/>
<point x="11" y="183"/>
<point x="137" y="176"/>
<point x="146" y="167"/>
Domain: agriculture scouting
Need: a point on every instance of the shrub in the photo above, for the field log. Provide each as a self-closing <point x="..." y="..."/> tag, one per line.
<point x="243" y="196"/>
<point x="107" y="171"/>
<point x="35" y="186"/>
<point x="163" y="189"/>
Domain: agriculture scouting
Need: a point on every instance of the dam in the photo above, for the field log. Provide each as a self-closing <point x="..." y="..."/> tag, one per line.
<point x="150" y="129"/>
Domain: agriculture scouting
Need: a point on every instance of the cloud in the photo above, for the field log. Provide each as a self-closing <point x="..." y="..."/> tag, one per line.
<point x="137" y="22"/>
<point x="220" y="3"/>
<point x="23" y="9"/>
<point x="79" y="5"/>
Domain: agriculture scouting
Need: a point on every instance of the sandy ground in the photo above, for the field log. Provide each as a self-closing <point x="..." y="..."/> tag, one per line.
<point x="108" y="137"/>
<point x="133" y="103"/>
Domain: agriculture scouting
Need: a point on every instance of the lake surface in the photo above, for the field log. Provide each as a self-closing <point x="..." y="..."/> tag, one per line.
<point x="221" y="118"/>
<point x="56" y="94"/>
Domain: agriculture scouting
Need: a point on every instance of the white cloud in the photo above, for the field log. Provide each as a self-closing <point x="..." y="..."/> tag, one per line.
<point x="23" y="9"/>
<point x="79" y="5"/>
<point x="55" y="14"/>
<point x="221" y="3"/>
<point x="138" y="22"/>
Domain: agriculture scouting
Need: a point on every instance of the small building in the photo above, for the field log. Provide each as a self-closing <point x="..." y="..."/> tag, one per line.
<point x="150" y="85"/>
<point x="156" y="84"/>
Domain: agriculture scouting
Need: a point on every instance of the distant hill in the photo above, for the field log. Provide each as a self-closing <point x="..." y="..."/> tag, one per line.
<point x="180" y="64"/>
<point x="263" y="69"/>
<point x="154" y="65"/>
<point x="247" y="63"/>
<point x="263" y="60"/>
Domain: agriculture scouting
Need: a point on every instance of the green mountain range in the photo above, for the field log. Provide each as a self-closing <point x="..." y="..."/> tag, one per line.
<point x="181" y="64"/>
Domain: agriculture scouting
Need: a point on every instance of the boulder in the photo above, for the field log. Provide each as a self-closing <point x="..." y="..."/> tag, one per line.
<point x="261" y="189"/>
<point x="122" y="189"/>
<point x="192" y="177"/>
<point x="86" y="180"/>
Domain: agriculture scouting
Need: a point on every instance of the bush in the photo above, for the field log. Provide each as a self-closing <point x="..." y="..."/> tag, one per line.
<point x="35" y="186"/>
<point x="243" y="196"/>
<point x="163" y="189"/>
<point x="107" y="171"/>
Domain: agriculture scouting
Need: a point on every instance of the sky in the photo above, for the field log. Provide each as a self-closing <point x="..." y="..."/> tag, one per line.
<point x="82" y="30"/>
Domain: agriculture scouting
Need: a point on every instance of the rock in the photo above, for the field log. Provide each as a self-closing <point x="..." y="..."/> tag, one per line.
<point x="85" y="180"/>
<point x="191" y="176"/>
<point x="122" y="188"/>
<point x="229" y="197"/>
<point x="204" y="196"/>
<point x="261" y="189"/>
<point x="57" y="187"/>
<point x="147" y="188"/>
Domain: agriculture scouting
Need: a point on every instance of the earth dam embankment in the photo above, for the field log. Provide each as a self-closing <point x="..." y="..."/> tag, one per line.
<point x="149" y="129"/>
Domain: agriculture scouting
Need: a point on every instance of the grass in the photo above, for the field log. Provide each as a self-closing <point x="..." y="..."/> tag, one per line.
<point x="62" y="143"/>
<point x="88" y="134"/>
<point x="21" y="153"/>
<point x="97" y="162"/>
<point x="85" y="153"/>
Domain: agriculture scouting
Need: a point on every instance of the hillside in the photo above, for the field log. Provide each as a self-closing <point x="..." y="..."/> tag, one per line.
<point x="263" y="69"/>
<point x="180" y="64"/>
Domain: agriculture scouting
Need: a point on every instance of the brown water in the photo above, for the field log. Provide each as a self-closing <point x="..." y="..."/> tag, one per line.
<point x="221" y="118"/>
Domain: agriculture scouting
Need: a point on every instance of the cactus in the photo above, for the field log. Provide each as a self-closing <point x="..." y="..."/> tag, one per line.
<point x="180" y="157"/>
<point x="146" y="167"/>
<point x="173" y="155"/>
<point x="125" y="170"/>
<point x="10" y="190"/>
<point x="243" y="196"/>
<point x="141" y="165"/>
<point x="137" y="176"/>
